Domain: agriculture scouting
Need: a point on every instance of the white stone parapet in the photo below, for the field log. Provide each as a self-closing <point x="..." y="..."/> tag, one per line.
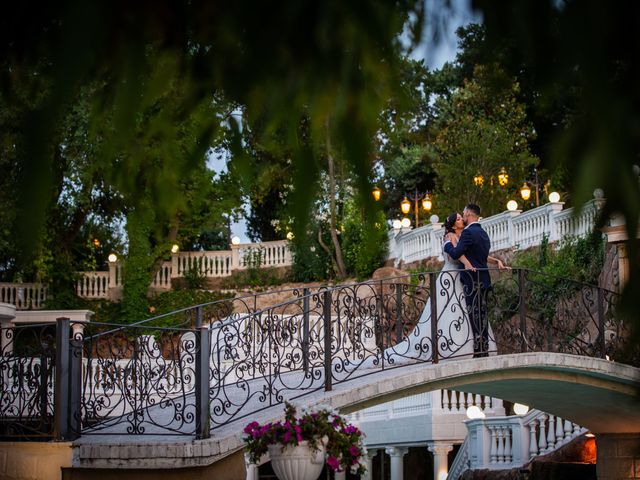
<point x="499" y="443"/>
<point x="510" y="229"/>
<point x="210" y="264"/>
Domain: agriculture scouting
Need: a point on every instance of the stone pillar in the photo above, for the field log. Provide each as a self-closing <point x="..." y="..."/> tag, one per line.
<point x="397" y="466"/>
<point x="440" y="459"/>
<point x="618" y="456"/>
<point x="369" y="464"/>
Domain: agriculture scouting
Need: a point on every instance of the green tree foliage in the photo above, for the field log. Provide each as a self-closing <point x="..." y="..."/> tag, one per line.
<point x="408" y="173"/>
<point x="363" y="258"/>
<point x="404" y="153"/>
<point x="589" y="47"/>
<point x="482" y="129"/>
<point x="319" y="60"/>
<point x="579" y="259"/>
<point x="269" y="181"/>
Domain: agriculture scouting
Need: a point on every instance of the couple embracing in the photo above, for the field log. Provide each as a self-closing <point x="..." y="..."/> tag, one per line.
<point x="461" y="292"/>
<point x="466" y="246"/>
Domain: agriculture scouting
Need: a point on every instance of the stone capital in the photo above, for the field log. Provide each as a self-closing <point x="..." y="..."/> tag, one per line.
<point x="396" y="451"/>
<point x="438" y="448"/>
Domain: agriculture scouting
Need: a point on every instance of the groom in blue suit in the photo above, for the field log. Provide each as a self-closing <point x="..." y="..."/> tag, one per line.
<point x="474" y="244"/>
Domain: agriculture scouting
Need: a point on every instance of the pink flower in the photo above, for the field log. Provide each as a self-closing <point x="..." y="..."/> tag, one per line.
<point x="251" y="427"/>
<point x="354" y="451"/>
<point x="333" y="463"/>
<point x="298" y="433"/>
<point x="349" y="429"/>
<point x="286" y="437"/>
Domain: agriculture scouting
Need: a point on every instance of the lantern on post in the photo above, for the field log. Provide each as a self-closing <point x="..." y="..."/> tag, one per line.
<point x="503" y="177"/>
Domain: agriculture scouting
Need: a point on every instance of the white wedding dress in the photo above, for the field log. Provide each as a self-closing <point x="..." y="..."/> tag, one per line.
<point x="454" y="333"/>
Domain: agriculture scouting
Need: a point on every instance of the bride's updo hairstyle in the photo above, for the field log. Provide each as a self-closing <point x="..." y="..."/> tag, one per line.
<point x="450" y="222"/>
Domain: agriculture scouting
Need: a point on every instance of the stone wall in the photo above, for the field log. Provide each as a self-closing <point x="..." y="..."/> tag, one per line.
<point x="229" y="468"/>
<point x="34" y="460"/>
<point x="618" y="456"/>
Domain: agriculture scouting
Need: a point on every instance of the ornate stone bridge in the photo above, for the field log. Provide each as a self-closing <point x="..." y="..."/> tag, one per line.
<point x="175" y="391"/>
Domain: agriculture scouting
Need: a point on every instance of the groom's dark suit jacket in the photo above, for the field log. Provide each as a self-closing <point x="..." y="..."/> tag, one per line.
<point x="474" y="243"/>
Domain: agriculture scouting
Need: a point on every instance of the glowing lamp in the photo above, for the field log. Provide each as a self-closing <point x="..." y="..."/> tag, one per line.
<point x="512" y="205"/>
<point x="434" y="219"/>
<point x="235" y="240"/>
<point x="175" y="248"/>
<point x="478" y="180"/>
<point x="503" y="177"/>
<point x="520" y="409"/>
<point x="376" y="194"/>
<point x="427" y="204"/>
<point x="112" y="258"/>
<point x="406" y="223"/>
<point x="554" y="197"/>
<point x="96" y="243"/>
<point x="525" y="192"/>
<point x="474" y="412"/>
<point x="397" y="224"/>
<point x="290" y="236"/>
<point x="405" y="205"/>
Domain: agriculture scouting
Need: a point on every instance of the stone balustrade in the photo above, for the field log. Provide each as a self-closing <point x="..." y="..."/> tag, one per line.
<point x="510" y="229"/>
<point x="210" y="264"/>
<point x="499" y="443"/>
<point x="108" y="285"/>
<point x="24" y="296"/>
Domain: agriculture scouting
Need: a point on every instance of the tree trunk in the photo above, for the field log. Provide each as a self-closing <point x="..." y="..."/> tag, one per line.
<point x="341" y="268"/>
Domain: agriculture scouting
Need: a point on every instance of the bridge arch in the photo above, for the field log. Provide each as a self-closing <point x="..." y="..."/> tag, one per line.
<point x="598" y="394"/>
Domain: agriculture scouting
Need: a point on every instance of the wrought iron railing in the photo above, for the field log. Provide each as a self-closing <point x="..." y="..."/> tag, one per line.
<point x="194" y="370"/>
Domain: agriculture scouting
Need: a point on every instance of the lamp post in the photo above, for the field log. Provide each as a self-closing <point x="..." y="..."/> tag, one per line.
<point x="525" y="190"/>
<point x="427" y="204"/>
<point x="503" y="178"/>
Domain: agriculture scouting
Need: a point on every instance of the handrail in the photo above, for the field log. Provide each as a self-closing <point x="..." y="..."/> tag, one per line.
<point x="461" y="461"/>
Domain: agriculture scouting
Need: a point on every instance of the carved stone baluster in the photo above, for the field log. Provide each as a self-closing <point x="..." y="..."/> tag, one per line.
<point x="542" y="445"/>
<point x="508" y="453"/>
<point x="567" y="429"/>
<point x="533" y="442"/>
<point x="551" y="433"/>
<point x="468" y="400"/>
<point x="576" y="429"/>
<point x="559" y="430"/>
<point x="444" y="400"/>
<point x="500" y="452"/>
<point x="494" y="445"/>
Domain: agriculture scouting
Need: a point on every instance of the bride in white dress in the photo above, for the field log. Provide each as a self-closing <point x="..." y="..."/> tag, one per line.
<point x="454" y="334"/>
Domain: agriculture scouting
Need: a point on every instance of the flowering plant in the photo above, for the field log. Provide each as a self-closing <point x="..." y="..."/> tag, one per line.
<point x="343" y="440"/>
